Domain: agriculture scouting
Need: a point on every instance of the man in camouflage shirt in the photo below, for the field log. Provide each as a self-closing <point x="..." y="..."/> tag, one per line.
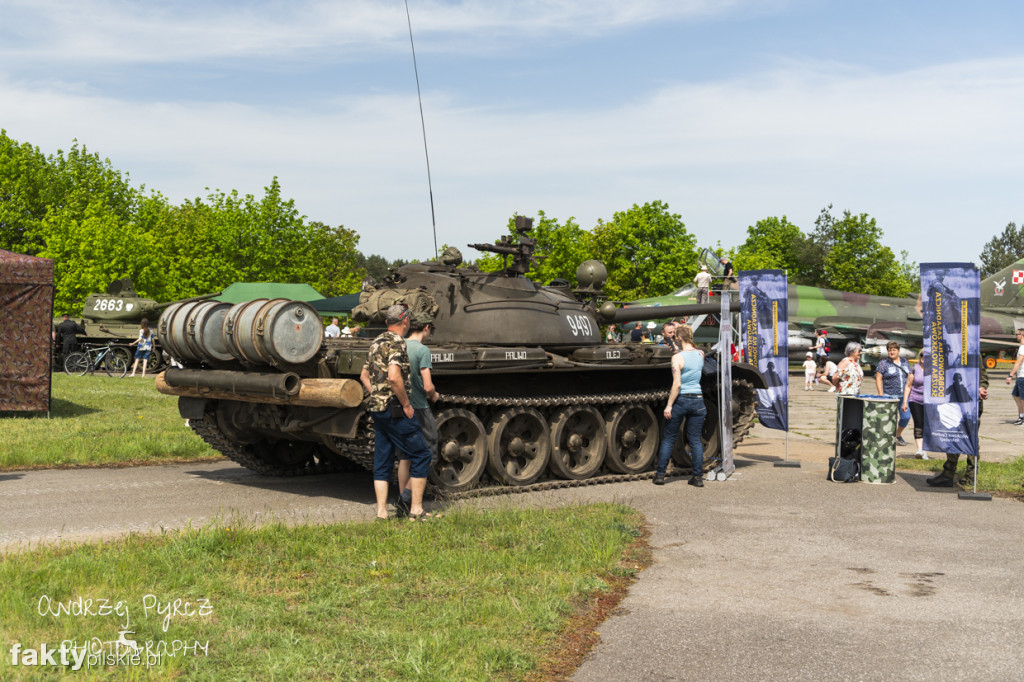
<point x="386" y="377"/>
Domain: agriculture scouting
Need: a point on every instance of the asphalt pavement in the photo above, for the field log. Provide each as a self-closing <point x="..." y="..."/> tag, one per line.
<point x="780" y="574"/>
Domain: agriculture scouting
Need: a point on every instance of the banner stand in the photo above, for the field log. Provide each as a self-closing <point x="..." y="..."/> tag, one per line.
<point x="968" y="495"/>
<point x="794" y="464"/>
<point x="951" y="326"/>
<point x="725" y="388"/>
<point x="764" y="311"/>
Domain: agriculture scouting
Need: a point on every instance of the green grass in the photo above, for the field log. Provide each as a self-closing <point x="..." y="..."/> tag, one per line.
<point x="473" y="596"/>
<point x="98" y="420"/>
<point x="1005" y="477"/>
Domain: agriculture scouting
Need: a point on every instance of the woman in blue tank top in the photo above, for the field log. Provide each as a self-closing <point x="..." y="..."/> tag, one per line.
<point x="685" y="401"/>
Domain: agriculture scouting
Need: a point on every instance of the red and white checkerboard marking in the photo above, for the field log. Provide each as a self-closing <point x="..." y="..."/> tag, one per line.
<point x="1018" y="276"/>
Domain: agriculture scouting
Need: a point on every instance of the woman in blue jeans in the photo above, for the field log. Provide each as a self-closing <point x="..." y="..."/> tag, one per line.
<point x="685" y="400"/>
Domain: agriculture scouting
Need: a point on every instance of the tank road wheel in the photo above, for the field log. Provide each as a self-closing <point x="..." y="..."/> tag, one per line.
<point x="710" y="436"/>
<point x="76" y="363"/>
<point x="156" y="361"/>
<point x="632" y="438"/>
<point x="519" y="445"/>
<point x="578" y="442"/>
<point x="461" y="448"/>
<point x="990" y="361"/>
<point x="125" y="354"/>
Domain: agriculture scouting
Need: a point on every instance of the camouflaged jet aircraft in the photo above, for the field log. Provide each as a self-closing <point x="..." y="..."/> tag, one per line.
<point x="873" y="320"/>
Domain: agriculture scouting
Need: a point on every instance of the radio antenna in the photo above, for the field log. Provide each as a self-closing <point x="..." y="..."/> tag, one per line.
<point x="423" y="125"/>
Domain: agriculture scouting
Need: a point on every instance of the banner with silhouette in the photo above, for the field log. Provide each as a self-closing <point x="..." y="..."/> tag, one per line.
<point x="764" y="299"/>
<point x="950" y="308"/>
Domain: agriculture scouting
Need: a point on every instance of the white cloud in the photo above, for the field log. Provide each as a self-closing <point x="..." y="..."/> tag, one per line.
<point x="123" y="31"/>
<point x="934" y="149"/>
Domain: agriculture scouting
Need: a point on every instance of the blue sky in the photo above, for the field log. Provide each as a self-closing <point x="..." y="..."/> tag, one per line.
<point x="728" y="111"/>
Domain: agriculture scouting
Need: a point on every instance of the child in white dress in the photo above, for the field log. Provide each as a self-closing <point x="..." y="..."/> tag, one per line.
<point x="810" y="368"/>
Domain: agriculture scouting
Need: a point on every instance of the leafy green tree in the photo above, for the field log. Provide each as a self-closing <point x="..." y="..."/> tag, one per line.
<point x="854" y="259"/>
<point x="192" y="235"/>
<point x="647" y="251"/>
<point x="33" y="186"/>
<point x="376" y="266"/>
<point x="333" y="260"/>
<point x="91" y="252"/>
<point x="1002" y="249"/>
<point x="773" y="244"/>
<point x="78" y="210"/>
<point x="230" y="238"/>
<point x="25" y="178"/>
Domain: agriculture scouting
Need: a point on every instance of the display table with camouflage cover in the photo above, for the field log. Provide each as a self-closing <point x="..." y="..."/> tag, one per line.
<point x="875" y="417"/>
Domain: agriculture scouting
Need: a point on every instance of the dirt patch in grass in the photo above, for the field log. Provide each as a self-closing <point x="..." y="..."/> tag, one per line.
<point x="579" y="636"/>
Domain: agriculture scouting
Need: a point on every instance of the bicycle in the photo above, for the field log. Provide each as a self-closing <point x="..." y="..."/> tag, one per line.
<point x="106" y="357"/>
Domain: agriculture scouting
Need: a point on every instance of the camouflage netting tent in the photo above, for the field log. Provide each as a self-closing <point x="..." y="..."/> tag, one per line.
<point x="26" y="318"/>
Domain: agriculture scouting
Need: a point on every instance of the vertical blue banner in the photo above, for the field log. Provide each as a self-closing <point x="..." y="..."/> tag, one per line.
<point x="950" y="308"/>
<point x="764" y="298"/>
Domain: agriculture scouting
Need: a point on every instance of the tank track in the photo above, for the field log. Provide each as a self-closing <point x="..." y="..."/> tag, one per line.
<point x="208" y="430"/>
<point x="359" y="450"/>
<point x="554" y="401"/>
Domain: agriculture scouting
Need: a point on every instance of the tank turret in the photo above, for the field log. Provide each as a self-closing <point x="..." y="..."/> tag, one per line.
<point x="529" y="390"/>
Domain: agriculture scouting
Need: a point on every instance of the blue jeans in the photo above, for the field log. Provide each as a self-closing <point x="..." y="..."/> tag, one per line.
<point x="403" y="434"/>
<point x="692" y="408"/>
<point x="904" y="416"/>
<point x="1018" y="388"/>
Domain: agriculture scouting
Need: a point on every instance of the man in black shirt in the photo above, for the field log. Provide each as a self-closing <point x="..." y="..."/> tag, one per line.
<point x="65" y="332"/>
<point x="727" y="273"/>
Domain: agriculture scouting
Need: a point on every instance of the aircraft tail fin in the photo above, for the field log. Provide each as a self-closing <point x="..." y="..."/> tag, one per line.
<point x="1004" y="289"/>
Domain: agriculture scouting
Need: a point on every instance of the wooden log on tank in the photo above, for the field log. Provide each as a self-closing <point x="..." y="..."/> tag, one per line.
<point x="312" y="393"/>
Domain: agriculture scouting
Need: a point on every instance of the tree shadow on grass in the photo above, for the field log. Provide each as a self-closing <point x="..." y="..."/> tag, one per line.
<point x="63" y="409"/>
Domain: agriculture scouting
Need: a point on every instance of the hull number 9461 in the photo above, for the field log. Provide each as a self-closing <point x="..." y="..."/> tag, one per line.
<point x="580" y="325"/>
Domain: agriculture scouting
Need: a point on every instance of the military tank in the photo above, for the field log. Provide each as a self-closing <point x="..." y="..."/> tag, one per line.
<point x="529" y="390"/>
<point x="116" y="316"/>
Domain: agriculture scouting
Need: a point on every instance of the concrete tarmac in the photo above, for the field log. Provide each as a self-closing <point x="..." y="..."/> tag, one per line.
<point x="773" y="574"/>
<point x="780" y="574"/>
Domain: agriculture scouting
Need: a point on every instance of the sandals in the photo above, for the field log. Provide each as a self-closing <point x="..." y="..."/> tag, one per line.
<point x="425" y="516"/>
<point x="402" y="508"/>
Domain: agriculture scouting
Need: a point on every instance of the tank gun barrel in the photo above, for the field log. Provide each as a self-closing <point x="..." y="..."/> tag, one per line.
<point x="189" y="300"/>
<point x="609" y="313"/>
<point x="506" y="249"/>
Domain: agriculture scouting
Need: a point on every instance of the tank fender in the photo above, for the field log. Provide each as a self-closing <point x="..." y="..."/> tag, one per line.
<point x="748" y="372"/>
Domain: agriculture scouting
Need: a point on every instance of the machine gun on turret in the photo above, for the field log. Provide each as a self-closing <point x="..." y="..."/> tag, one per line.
<point x="522" y="253"/>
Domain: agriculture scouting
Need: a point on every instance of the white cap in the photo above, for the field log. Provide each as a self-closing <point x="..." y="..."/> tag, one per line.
<point x="651" y="325"/>
<point x="703" y="267"/>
